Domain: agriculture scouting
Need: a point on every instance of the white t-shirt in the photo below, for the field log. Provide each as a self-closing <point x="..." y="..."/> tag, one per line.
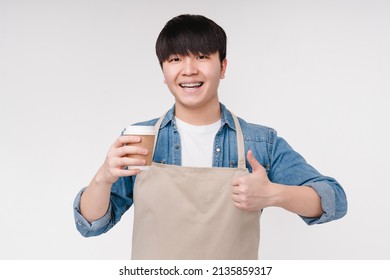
<point x="197" y="143"/>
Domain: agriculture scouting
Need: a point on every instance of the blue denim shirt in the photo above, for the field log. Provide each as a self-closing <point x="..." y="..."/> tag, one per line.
<point x="283" y="165"/>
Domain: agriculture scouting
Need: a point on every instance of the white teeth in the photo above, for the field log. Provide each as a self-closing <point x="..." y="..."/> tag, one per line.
<point x="191" y="85"/>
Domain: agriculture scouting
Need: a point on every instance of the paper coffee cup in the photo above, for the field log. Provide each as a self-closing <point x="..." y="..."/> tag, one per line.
<point x="147" y="135"/>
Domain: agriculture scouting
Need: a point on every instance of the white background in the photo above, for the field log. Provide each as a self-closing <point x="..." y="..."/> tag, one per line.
<point x="73" y="74"/>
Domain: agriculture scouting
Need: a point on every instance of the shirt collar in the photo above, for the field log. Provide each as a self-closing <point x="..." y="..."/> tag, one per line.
<point x="226" y="117"/>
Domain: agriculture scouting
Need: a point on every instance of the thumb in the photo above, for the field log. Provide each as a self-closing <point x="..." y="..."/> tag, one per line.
<point x="256" y="166"/>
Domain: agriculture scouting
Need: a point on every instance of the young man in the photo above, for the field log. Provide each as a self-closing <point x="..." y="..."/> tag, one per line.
<point x="212" y="173"/>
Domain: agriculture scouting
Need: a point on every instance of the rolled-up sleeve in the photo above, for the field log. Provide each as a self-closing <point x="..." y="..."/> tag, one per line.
<point x="86" y="228"/>
<point x="332" y="210"/>
<point x="121" y="199"/>
<point x="290" y="168"/>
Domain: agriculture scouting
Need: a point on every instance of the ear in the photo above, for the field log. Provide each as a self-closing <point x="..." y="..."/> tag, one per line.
<point x="223" y="68"/>
<point x="162" y="70"/>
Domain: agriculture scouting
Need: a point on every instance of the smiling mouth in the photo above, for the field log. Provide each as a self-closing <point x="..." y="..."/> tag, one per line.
<point x="191" y="85"/>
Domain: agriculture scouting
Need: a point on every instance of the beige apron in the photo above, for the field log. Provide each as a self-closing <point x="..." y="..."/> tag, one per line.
<point x="188" y="213"/>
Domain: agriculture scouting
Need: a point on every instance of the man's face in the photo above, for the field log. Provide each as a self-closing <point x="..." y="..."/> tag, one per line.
<point x="194" y="79"/>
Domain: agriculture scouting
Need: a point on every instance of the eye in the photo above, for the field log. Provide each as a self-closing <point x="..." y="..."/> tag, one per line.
<point x="202" y="57"/>
<point x="174" y="59"/>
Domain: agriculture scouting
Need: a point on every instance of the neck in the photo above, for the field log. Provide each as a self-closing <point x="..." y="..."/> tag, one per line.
<point x="199" y="116"/>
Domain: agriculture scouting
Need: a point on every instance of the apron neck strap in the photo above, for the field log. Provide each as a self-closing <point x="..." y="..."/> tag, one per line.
<point x="240" y="142"/>
<point x="239" y="135"/>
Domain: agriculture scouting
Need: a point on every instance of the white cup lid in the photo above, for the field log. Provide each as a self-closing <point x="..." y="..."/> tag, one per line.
<point x="139" y="130"/>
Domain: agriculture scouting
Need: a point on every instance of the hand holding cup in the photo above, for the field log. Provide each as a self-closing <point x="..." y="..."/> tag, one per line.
<point x="129" y="154"/>
<point x="146" y="135"/>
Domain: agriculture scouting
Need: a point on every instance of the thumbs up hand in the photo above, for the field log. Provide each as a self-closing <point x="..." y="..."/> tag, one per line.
<point x="254" y="191"/>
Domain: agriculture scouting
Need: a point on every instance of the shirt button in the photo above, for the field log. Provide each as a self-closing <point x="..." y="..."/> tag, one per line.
<point x="218" y="150"/>
<point x="177" y="146"/>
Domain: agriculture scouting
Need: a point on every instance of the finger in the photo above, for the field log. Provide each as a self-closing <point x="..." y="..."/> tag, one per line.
<point x="235" y="199"/>
<point x="235" y="190"/>
<point x="126" y="172"/>
<point x="126" y="139"/>
<point x="239" y="205"/>
<point x="127" y="161"/>
<point x="239" y="180"/>
<point x="235" y="181"/>
<point x="256" y="166"/>
<point x="131" y="150"/>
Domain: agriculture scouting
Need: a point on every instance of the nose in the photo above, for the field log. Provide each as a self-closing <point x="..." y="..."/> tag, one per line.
<point x="189" y="67"/>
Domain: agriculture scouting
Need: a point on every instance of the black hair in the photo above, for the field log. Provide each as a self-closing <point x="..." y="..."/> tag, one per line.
<point x="190" y="34"/>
